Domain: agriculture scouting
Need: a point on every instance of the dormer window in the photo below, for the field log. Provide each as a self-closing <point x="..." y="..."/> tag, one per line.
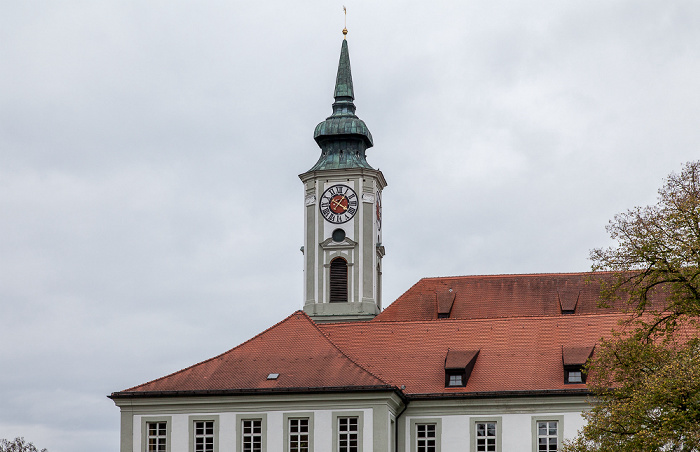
<point x="574" y="376"/>
<point x="574" y="358"/>
<point x="568" y="300"/>
<point x="458" y="367"/>
<point x="445" y="301"/>
<point x="454" y="378"/>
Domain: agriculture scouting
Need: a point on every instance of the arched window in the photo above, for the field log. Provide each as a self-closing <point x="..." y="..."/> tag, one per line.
<point x="339" y="280"/>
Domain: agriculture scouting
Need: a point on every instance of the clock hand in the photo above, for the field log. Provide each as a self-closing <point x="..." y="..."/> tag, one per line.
<point x="338" y="203"/>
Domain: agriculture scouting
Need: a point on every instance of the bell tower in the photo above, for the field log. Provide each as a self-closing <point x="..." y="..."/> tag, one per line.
<point x="342" y="215"/>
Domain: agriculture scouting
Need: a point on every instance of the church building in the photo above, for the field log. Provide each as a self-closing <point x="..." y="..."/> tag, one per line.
<point x="455" y="364"/>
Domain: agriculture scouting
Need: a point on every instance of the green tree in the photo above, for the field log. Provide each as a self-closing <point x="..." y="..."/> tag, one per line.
<point x="18" y="445"/>
<point x="646" y="377"/>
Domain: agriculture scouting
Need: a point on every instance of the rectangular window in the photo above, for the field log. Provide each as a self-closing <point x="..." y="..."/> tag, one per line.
<point x="252" y="435"/>
<point x="299" y="435"/>
<point x="203" y="436"/>
<point x="156" y="435"/>
<point x="547" y="436"/>
<point x="348" y="434"/>
<point x="574" y="376"/>
<point x="425" y="434"/>
<point x="426" y="440"/>
<point x="455" y="379"/>
<point x="486" y="436"/>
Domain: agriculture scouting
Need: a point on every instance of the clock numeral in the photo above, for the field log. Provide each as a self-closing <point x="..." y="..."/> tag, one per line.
<point x="338" y="204"/>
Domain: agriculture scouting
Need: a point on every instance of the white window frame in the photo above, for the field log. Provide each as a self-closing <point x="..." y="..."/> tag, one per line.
<point x="193" y="431"/>
<point x="262" y="417"/>
<point x="287" y="433"/>
<point x="560" y="430"/>
<point x="437" y="422"/>
<point x="480" y="420"/>
<point x="146" y="420"/>
<point x="337" y="415"/>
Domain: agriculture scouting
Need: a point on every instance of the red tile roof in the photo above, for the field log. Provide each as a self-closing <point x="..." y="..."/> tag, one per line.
<point x="294" y="348"/>
<point x="516" y="354"/>
<point x="514" y="321"/>
<point x="496" y="296"/>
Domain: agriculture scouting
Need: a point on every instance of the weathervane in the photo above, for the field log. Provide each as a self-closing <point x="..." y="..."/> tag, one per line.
<point x="345" y="24"/>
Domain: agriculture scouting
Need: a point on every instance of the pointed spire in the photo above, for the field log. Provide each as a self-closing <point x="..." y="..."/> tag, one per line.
<point x="343" y="81"/>
<point x="343" y="137"/>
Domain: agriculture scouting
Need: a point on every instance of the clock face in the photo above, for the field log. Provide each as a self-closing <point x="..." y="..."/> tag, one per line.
<point x="338" y="204"/>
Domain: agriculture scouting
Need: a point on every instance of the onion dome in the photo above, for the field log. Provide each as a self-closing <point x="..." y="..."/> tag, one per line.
<point x="343" y="137"/>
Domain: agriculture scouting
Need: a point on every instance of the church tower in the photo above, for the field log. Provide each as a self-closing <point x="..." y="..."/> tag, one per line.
<point x="342" y="215"/>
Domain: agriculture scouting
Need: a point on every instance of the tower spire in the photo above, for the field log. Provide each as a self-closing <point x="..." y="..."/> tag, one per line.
<point x="343" y="137"/>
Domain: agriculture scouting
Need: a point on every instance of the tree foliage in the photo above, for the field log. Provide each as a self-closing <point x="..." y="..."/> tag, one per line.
<point x="18" y="445"/>
<point x="646" y="377"/>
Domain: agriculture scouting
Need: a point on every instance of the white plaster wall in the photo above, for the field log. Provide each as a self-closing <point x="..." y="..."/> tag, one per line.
<point x="227" y="432"/>
<point x="322" y="433"/>
<point x="516" y="430"/>
<point x="455" y="433"/>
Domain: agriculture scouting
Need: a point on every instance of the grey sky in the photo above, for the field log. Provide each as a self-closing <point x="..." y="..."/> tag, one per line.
<point x="150" y="210"/>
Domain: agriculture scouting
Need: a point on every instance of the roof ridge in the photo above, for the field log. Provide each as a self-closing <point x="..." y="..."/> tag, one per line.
<point x="495" y="275"/>
<point x="341" y="351"/>
<point x="393" y="303"/>
<point x="214" y="357"/>
<point x="484" y="319"/>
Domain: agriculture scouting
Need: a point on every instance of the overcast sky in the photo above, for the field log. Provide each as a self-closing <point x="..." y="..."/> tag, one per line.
<point x="150" y="206"/>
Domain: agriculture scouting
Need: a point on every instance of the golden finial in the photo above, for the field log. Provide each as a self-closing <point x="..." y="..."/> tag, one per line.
<point x="345" y="25"/>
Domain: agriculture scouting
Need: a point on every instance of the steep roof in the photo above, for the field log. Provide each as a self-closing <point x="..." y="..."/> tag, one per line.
<point x="295" y="349"/>
<point x="494" y="296"/>
<point x="519" y="331"/>
<point x="515" y="354"/>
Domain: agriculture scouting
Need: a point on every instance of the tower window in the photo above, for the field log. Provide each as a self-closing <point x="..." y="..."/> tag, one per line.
<point x="338" y="235"/>
<point x="339" y="280"/>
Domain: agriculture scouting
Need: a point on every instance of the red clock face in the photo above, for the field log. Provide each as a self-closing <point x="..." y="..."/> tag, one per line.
<point x="338" y="204"/>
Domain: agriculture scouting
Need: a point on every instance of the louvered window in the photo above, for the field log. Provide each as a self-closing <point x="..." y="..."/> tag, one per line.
<point x="339" y="280"/>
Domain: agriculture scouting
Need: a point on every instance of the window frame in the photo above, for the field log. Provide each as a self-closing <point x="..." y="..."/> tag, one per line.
<point x="360" y="426"/>
<point x="498" y="420"/>
<point x="449" y="373"/>
<point x="335" y="282"/>
<point x="301" y="415"/>
<point x="262" y="417"/>
<point x="145" y="420"/>
<point x="199" y="418"/>
<point x="415" y="422"/>
<point x="560" y="430"/>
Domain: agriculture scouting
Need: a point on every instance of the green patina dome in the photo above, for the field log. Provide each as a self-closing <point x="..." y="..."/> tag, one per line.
<point x="343" y="125"/>
<point x="343" y="137"/>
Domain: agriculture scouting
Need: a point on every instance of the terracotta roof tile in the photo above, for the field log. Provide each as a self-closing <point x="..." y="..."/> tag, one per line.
<point x="516" y="354"/>
<point x="459" y="359"/>
<point x="495" y="296"/>
<point x="295" y="349"/>
<point x="576" y="356"/>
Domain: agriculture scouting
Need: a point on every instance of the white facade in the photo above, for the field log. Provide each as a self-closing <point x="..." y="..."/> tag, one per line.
<point x="515" y="419"/>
